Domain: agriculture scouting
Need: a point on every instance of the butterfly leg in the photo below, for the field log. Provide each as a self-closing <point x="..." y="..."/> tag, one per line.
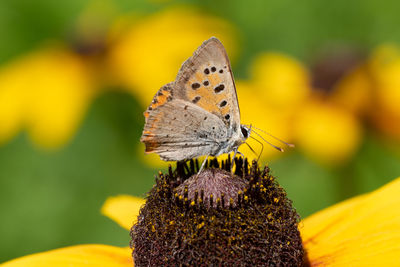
<point x="202" y="165"/>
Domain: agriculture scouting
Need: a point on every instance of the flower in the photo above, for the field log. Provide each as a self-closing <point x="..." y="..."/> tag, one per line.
<point x="215" y="217"/>
<point x="327" y="133"/>
<point x="385" y="71"/>
<point x="280" y="99"/>
<point x="362" y="231"/>
<point x="46" y="92"/>
<point x="282" y="81"/>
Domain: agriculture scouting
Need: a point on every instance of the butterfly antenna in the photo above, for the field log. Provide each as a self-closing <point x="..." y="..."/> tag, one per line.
<point x="274" y="146"/>
<point x="262" y="147"/>
<point x="276" y="138"/>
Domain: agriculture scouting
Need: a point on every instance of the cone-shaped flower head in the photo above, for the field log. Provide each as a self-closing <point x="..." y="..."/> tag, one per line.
<point x="217" y="218"/>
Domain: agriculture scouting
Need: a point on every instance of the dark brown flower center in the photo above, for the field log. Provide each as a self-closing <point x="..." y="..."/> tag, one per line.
<point x="217" y="219"/>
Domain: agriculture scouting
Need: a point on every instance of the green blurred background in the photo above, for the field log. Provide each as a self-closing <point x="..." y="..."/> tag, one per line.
<point x="51" y="195"/>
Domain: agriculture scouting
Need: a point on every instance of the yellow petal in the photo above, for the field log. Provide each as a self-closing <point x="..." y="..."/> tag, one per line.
<point x="123" y="209"/>
<point x="82" y="255"/>
<point x="363" y="231"/>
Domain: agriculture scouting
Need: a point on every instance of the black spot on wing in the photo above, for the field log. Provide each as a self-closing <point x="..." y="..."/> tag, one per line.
<point x="203" y="135"/>
<point x="195" y="86"/>
<point x="196" y="99"/>
<point x="219" y="88"/>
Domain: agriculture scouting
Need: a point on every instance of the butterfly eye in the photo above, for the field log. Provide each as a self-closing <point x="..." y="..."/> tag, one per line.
<point x="245" y="131"/>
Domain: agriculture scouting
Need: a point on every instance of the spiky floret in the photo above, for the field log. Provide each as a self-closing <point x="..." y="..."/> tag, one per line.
<point x="217" y="219"/>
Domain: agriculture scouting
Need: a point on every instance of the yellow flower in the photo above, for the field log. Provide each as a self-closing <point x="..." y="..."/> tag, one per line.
<point x="362" y="231"/>
<point x="354" y="91"/>
<point x="385" y="66"/>
<point x="323" y="130"/>
<point x="385" y="70"/>
<point x="281" y="80"/>
<point x="327" y="133"/>
<point x="150" y="52"/>
<point x="45" y="92"/>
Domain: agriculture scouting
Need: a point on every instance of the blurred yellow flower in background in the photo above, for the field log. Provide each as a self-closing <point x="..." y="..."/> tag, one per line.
<point x="47" y="92"/>
<point x="385" y="70"/>
<point x="354" y="91"/>
<point x="327" y="133"/>
<point x="11" y="103"/>
<point x="149" y="53"/>
<point x="280" y="99"/>
<point x="282" y="81"/>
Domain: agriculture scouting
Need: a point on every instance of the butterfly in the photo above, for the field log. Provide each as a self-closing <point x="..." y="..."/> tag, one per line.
<point x="198" y="113"/>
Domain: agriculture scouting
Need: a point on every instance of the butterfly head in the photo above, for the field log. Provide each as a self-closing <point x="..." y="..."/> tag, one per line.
<point x="243" y="135"/>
